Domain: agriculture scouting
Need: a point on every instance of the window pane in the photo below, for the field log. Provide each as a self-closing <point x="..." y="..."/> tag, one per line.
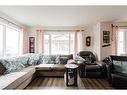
<point x="12" y="42"/>
<point x="121" y="38"/>
<point x="60" y="43"/>
<point x="1" y="40"/>
<point x="46" y="44"/>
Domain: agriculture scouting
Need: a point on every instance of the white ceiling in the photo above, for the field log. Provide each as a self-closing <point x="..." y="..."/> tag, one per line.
<point x="64" y="15"/>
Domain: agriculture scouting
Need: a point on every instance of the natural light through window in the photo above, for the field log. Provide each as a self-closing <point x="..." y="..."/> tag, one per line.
<point x="12" y="42"/>
<point x="59" y="43"/>
<point x="1" y="40"/>
<point x="121" y="42"/>
<point x="46" y="44"/>
<point x="9" y="40"/>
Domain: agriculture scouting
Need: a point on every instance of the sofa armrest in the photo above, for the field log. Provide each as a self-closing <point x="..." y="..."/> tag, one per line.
<point x="71" y="61"/>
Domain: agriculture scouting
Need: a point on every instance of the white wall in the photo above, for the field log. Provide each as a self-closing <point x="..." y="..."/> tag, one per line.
<point x="88" y="32"/>
<point x="102" y="52"/>
<point x="97" y="38"/>
<point x="105" y="51"/>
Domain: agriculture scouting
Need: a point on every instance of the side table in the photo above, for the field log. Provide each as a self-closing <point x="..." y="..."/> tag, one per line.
<point x="71" y="74"/>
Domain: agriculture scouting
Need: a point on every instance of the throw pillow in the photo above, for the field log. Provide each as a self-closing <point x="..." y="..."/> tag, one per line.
<point x="48" y="59"/>
<point x="63" y="60"/>
<point x="23" y="60"/>
<point x="11" y="65"/>
<point x="33" y="59"/>
<point x="2" y="69"/>
<point x="40" y="61"/>
<point x="57" y="61"/>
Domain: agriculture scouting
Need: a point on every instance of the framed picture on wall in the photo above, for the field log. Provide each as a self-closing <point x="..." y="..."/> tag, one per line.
<point x="106" y="36"/>
<point x="31" y="44"/>
<point x="88" y="41"/>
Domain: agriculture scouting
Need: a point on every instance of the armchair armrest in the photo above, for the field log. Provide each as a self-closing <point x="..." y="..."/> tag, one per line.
<point x="100" y="63"/>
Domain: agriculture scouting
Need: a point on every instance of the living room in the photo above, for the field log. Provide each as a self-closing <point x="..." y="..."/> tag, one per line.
<point x="38" y="43"/>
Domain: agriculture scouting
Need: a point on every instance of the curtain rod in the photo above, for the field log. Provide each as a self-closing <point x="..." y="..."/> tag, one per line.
<point x="61" y="30"/>
<point x="117" y="26"/>
<point x="10" y="22"/>
<point x="122" y="26"/>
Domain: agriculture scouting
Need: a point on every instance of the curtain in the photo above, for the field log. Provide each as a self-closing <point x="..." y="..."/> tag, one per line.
<point x="78" y="42"/>
<point x="75" y="43"/>
<point x="115" y="30"/>
<point x="23" y="42"/>
<point x="39" y="41"/>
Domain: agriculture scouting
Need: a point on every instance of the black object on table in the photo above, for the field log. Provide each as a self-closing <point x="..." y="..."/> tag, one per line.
<point x="71" y="74"/>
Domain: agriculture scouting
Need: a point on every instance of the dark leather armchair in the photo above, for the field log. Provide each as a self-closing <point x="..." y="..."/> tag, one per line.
<point x="117" y="71"/>
<point x="92" y="67"/>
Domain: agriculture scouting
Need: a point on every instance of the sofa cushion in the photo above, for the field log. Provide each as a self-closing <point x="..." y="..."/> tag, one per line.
<point x="13" y="80"/>
<point x="33" y="59"/>
<point x="57" y="61"/>
<point x="63" y="60"/>
<point x="12" y="64"/>
<point x="124" y="67"/>
<point x="58" y="67"/>
<point x="2" y="69"/>
<point x="23" y="59"/>
<point x="40" y="61"/>
<point x="49" y="59"/>
<point x="44" y="67"/>
<point x="120" y="66"/>
<point x="117" y="66"/>
<point x="8" y="79"/>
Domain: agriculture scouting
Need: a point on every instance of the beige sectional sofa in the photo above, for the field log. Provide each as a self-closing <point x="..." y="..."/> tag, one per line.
<point x="17" y="80"/>
<point x="50" y="70"/>
<point x="21" y="78"/>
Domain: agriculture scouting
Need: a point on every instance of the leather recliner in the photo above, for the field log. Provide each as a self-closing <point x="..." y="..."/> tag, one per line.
<point x="92" y="67"/>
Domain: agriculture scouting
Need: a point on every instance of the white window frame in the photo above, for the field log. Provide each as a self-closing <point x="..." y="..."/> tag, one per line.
<point x="4" y="38"/>
<point x="3" y="41"/>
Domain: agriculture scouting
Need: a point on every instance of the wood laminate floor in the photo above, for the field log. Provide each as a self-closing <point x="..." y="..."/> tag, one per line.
<point x="58" y="83"/>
